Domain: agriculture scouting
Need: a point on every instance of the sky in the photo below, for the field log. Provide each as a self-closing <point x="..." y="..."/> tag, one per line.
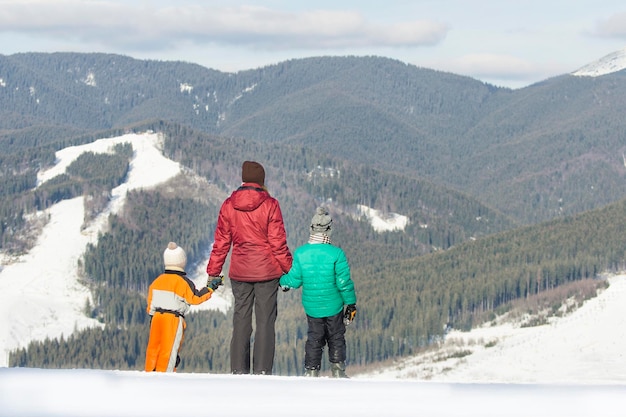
<point x="505" y="43"/>
<point x="573" y="366"/>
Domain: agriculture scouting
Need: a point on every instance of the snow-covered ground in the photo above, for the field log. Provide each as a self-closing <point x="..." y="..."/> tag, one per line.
<point x="586" y="346"/>
<point x="84" y="393"/>
<point x="573" y="366"/>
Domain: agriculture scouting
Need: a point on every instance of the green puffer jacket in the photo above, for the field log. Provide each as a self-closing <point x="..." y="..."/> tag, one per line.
<point x="323" y="272"/>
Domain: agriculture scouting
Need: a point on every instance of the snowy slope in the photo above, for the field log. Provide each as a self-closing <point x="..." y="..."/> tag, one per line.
<point x="40" y="292"/>
<point x="38" y="297"/>
<point x="587" y="346"/>
<point x="608" y="64"/>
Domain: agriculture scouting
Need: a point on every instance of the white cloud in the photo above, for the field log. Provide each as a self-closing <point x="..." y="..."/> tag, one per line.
<point x="127" y="24"/>
<point x="614" y="26"/>
<point x="499" y="69"/>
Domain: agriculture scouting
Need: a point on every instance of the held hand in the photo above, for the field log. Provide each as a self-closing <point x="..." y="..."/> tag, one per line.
<point x="214" y="282"/>
<point x="284" y="289"/>
<point x="349" y="314"/>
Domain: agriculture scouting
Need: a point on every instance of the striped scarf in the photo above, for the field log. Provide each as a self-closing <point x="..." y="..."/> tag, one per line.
<point x="319" y="238"/>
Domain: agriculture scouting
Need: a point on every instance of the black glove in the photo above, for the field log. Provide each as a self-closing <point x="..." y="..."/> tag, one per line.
<point x="349" y="313"/>
<point x="214" y="282"/>
<point x="284" y="289"/>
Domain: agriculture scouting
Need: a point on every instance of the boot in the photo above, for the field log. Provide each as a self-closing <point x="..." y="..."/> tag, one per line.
<point x="338" y="370"/>
<point x="311" y="372"/>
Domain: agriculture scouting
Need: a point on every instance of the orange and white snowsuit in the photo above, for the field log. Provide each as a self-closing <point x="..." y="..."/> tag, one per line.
<point x="169" y="298"/>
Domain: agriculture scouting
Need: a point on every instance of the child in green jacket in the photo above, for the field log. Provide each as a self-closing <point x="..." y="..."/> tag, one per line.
<point x="322" y="270"/>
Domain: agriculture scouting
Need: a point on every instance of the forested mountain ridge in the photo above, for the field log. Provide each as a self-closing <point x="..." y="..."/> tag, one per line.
<point x="547" y="150"/>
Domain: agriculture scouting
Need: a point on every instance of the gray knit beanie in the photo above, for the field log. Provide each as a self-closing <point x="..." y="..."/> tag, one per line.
<point x="321" y="222"/>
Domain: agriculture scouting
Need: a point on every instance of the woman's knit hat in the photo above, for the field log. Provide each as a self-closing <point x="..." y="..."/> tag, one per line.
<point x="321" y="222"/>
<point x="253" y="172"/>
<point x="174" y="257"/>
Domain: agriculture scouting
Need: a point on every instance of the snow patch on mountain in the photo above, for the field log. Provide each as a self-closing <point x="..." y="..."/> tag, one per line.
<point x="608" y="64"/>
<point x="186" y="88"/>
<point x="148" y="167"/>
<point x="381" y="222"/>
<point x="90" y="80"/>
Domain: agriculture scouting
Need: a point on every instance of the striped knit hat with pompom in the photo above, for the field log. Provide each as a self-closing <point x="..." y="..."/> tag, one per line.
<point x="321" y="223"/>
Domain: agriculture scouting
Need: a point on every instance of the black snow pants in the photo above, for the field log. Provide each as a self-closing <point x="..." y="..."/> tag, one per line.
<point x="322" y="331"/>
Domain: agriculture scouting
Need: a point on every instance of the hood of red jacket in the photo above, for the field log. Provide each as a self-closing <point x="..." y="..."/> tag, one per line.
<point x="248" y="197"/>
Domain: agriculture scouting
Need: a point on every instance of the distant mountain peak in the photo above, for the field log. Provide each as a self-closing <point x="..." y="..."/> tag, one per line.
<point x="613" y="62"/>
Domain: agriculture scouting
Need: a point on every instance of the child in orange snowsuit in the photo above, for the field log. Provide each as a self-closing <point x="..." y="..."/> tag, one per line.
<point x="170" y="297"/>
